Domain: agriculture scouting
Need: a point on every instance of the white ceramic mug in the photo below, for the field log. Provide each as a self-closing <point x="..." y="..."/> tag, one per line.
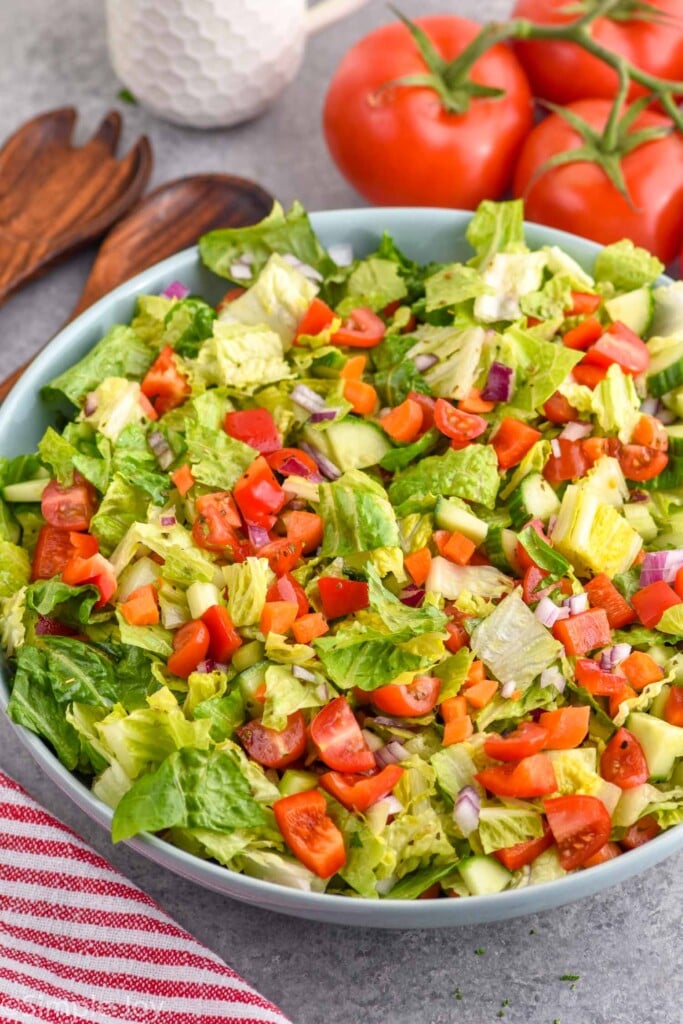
<point x="212" y="63"/>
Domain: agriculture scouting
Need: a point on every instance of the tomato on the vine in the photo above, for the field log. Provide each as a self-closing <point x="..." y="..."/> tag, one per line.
<point x="398" y="144"/>
<point x="579" y="197"/>
<point x="563" y="72"/>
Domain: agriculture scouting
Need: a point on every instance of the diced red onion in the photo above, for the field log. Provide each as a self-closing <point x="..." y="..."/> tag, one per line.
<point x="555" y="448"/>
<point x="307" y="398"/>
<point x="167" y="520"/>
<point x="548" y="613"/>
<point x="341" y="253"/>
<point x="553" y="677"/>
<point x="323" y="414"/>
<point x="161" y="448"/>
<point x="636" y="496"/>
<point x="258" y="536"/>
<point x="322" y="692"/>
<point x="661" y="565"/>
<point x="295" y="467"/>
<point x="392" y="753"/>
<point x="303" y="673"/>
<point x="392" y="806"/>
<point x="90" y="404"/>
<point x="499" y="384"/>
<point x="466" y="810"/>
<point x="577" y="603"/>
<point x="666" y="416"/>
<point x="575" y="431"/>
<point x="239" y="271"/>
<point x="650" y="406"/>
<point x="176" y="290"/>
<point x="613" y="656"/>
<point x="303" y="268"/>
<point x="325" y="465"/>
<point x="552" y="523"/>
<point x="208" y="665"/>
<point x="424" y="360"/>
<point x="397" y="723"/>
<point x="508" y="688"/>
<point x="412" y="595"/>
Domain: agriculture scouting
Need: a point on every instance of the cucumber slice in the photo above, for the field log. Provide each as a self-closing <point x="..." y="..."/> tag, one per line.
<point x="666" y="368"/>
<point x="250" y="682"/>
<point x="294" y="781"/>
<point x="659" y="703"/>
<point x="28" y="490"/>
<point x="642" y="522"/>
<point x="675" y="435"/>
<point x="662" y="743"/>
<point x="501" y="548"/>
<point x="634" y="309"/>
<point x="483" y="875"/>
<point x="351" y="443"/>
<point x="247" y="655"/>
<point x="632" y="804"/>
<point x="533" y="499"/>
<point x="449" y="516"/>
<point x="668" y="313"/>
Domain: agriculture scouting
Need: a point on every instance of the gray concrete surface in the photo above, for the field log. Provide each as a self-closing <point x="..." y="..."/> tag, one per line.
<point x="625" y="944"/>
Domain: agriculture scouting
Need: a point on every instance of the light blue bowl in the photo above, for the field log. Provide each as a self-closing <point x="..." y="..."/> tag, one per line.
<point x="425" y="234"/>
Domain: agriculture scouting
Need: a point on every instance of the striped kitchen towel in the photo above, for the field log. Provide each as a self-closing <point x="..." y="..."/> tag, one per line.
<point x="80" y="944"/>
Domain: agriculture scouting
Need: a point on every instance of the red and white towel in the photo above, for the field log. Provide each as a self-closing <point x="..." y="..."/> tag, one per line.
<point x="80" y="944"/>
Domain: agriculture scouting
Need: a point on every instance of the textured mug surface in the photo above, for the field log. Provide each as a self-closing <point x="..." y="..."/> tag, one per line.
<point x="212" y="63"/>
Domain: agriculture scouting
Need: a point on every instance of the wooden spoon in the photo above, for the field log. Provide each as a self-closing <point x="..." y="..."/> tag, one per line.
<point x="56" y="198"/>
<point x="164" y="222"/>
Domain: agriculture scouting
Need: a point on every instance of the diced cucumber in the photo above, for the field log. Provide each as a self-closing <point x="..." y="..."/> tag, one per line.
<point x="27" y="490"/>
<point x="675" y="434"/>
<point x="501" y="548"/>
<point x="533" y="499"/>
<point x="294" y="781"/>
<point x="201" y="597"/>
<point x="250" y="682"/>
<point x="668" y="312"/>
<point x="632" y="804"/>
<point x="635" y="309"/>
<point x="666" y="366"/>
<point x="662" y="743"/>
<point x="638" y="516"/>
<point x="659" y="703"/>
<point x="351" y="443"/>
<point x="483" y="875"/>
<point x="450" y="516"/>
<point x="247" y="655"/>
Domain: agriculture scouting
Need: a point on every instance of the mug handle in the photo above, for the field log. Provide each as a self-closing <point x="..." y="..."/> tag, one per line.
<point x="328" y="11"/>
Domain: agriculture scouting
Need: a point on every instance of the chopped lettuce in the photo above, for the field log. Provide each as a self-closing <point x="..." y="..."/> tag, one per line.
<point x="357" y="516"/>
<point x="614" y="402"/>
<point x="509" y="276"/>
<point x="540" y="366"/>
<point x="505" y="826"/>
<point x="217" y="459"/>
<point x="121" y="353"/>
<point x="513" y="644"/>
<point x="458" y="351"/>
<point x="495" y="228"/>
<point x="374" y="283"/>
<point x="247" y="584"/>
<point x="470" y="473"/>
<point x="286" y="694"/>
<point x="116" y="406"/>
<point x="593" y="535"/>
<point x="453" y="284"/>
<point x="241" y="356"/>
<point x="15" y="568"/>
<point x="122" y="506"/>
<point x="277" y="300"/>
<point x="626" y="266"/>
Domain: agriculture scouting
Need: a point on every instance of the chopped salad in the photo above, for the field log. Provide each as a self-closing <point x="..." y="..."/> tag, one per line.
<point x="370" y="580"/>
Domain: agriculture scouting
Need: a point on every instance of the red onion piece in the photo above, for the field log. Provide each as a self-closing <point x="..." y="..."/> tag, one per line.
<point x="304" y="268"/>
<point x="548" y="613"/>
<point x="258" y="536"/>
<point x="650" y="406"/>
<point x="412" y="595"/>
<point x="576" y="604"/>
<point x="90" y="405"/>
<point x="555" y="448"/>
<point x="636" y="496"/>
<point x="294" y="467"/>
<point x="661" y="565"/>
<point x="508" y="688"/>
<point x="176" y="290"/>
<point x="424" y="360"/>
<point x="208" y="665"/>
<point x="397" y="723"/>
<point x="303" y="673"/>
<point x="613" y="656"/>
<point x="392" y="753"/>
<point x="499" y="384"/>
<point x="239" y="271"/>
<point x="325" y="465"/>
<point x="307" y="398"/>
<point x="161" y="448"/>
<point x="575" y="431"/>
<point x="466" y="810"/>
<point x="323" y="414"/>
<point x="167" y="520"/>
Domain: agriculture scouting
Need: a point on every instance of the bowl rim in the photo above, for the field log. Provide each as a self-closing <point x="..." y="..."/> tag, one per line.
<point x="381" y="913"/>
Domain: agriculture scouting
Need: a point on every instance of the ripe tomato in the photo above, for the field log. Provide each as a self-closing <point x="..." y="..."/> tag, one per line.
<point x="527" y="739"/>
<point x="258" y="494"/>
<point x="217" y="519"/>
<point x="164" y="383"/>
<point x="579" y="197"/>
<point x="398" y="145"/>
<point x="623" y="761"/>
<point x="310" y="833"/>
<point x="224" y="638"/>
<point x="340" y="743"/>
<point x="53" y="550"/>
<point x="558" y="410"/>
<point x="562" y="72"/>
<point x="69" y="508"/>
<point x="271" y="748"/>
<point x="341" y="596"/>
<point x="255" y="427"/>
<point x="358" y="792"/>
<point x="581" y="826"/>
<point x="640" y="463"/>
<point x="287" y="588"/>
<point x="282" y="554"/>
<point x="190" y="646"/>
<point x="361" y="329"/>
<point x="458" y="425"/>
<point x="515" y="857"/>
<point x="530" y="777"/>
<point x="409" y="700"/>
<point x="620" y="345"/>
<point x="96" y="571"/>
<point x="643" y="831"/>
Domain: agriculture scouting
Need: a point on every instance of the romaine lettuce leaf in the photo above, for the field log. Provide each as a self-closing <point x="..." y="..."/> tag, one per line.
<point x="247" y="583"/>
<point x="458" y="351"/>
<point x="116" y="406"/>
<point x="286" y="694"/>
<point x="218" y="460"/>
<point x="225" y="713"/>
<point x="496" y="227"/>
<point x="357" y="516"/>
<point x="241" y="356"/>
<point x="513" y="644"/>
<point x="374" y="282"/>
<point x="505" y="826"/>
<point x="509" y="276"/>
<point x="471" y="473"/>
<point x="123" y="505"/>
<point x="626" y="266"/>
<point x="540" y="366"/>
<point x="278" y="300"/>
<point x="121" y="353"/>
<point x="15" y="568"/>
<point x="453" y="284"/>
<point x="33" y="704"/>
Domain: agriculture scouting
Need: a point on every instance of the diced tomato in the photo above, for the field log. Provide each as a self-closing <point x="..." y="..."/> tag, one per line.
<point x="558" y="409"/>
<point x="620" y="345"/>
<point x="678" y="583"/>
<point x="565" y="728"/>
<point x="527" y="739"/>
<point x="517" y="856"/>
<point x="164" y="383"/>
<point x="361" y="329"/>
<point x="418" y="564"/>
<point x="640" y="463"/>
<point x="603" y="594"/>
<point x="230" y="296"/>
<point x="278" y="616"/>
<point x="673" y="709"/>
<point x="584" y="303"/>
<point x="308" y="627"/>
<point x="141" y="607"/>
<point x="147" y="407"/>
<point x="623" y="761"/>
<point x="306" y="527"/>
<point x="616" y="699"/>
<point x="597" y="681"/>
<point x="584" y="334"/>
<point x="458" y="637"/>
<point x="607" y="852"/>
<point x="285" y="462"/>
<point x="404" y="422"/>
<point x="340" y="596"/>
<point x="512" y="441"/>
<point x="53" y="551"/>
<point x="358" y="792"/>
<point x="408" y="700"/>
<point x="589" y="376"/>
<point x="258" y="494"/>
<point x="69" y="508"/>
<point x="531" y="589"/>
<point x="570" y="464"/>
<point x="255" y="427"/>
<point x="339" y="740"/>
<point x="190" y="647"/>
<point x="282" y="555"/>
<point x="583" y="632"/>
<point x="216" y="522"/>
<point x="317" y="317"/>
<point x="642" y="832"/>
<point x="650" y="432"/>
<point x="84" y="544"/>
<point x="580" y="825"/>
<point x="286" y="588"/>
<point x="595" y="448"/>
<point x="641" y="669"/>
<point x="273" y="748"/>
<point x="183" y="478"/>
<point x="532" y="776"/>
<point x="96" y="571"/>
<point x="310" y="833"/>
<point x="459" y="548"/>
<point x="362" y="396"/>
<point x="427" y="404"/>
<point x="223" y="637"/>
<point x="652" y="601"/>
